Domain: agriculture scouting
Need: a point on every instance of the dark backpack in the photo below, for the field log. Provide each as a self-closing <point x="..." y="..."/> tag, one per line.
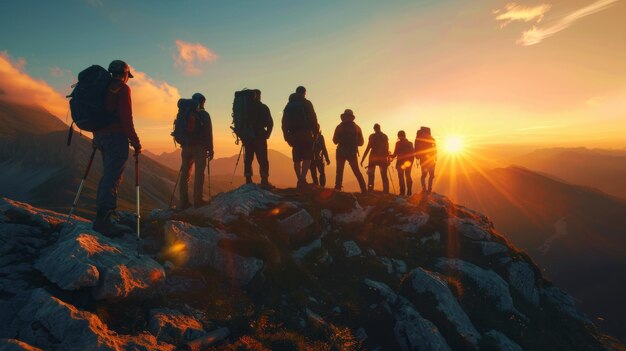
<point x="424" y="142"/>
<point x="242" y="110"/>
<point x="87" y="99"/>
<point x="187" y="125"/>
<point x="295" y="116"/>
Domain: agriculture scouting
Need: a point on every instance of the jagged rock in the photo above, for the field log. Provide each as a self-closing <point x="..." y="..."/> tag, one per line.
<point x="302" y="252"/>
<point x="199" y="248"/>
<point x="174" y="327"/>
<point x="428" y="283"/>
<point x="16" y="345"/>
<point x="351" y="248"/>
<point x="393" y="265"/>
<point x="487" y="281"/>
<point x="62" y="326"/>
<point x="411" y="224"/>
<point x="84" y="258"/>
<point x="522" y="279"/>
<point x="229" y="206"/>
<point x="435" y="238"/>
<point x="502" y="342"/>
<point x="208" y="340"/>
<point x="489" y="248"/>
<point x="24" y="213"/>
<point x="563" y="302"/>
<point x="296" y="223"/>
<point x="468" y="228"/>
<point x="413" y="332"/>
<point x="360" y="334"/>
<point x="357" y="215"/>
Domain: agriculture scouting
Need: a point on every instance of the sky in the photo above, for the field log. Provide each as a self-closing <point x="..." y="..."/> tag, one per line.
<point x="549" y="73"/>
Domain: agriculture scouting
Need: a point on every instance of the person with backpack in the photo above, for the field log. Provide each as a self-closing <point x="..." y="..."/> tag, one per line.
<point x="404" y="164"/>
<point x="348" y="137"/>
<point x="378" y="143"/>
<point x="426" y="153"/>
<point x="113" y="142"/>
<point x="319" y="154"/>
<point x="196" y="141"/>
<point x="261" y="124"/>
<point x="299" y="126"/>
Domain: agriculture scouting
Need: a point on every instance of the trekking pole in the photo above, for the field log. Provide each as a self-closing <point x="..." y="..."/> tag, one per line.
<point x="236" y="164"/>
<point x="208" y="170"/>
<point x="391" y="179"/>
<point x="82" y="182"/>
<point x="137" y="193"/>
<point x="176" y="185"/>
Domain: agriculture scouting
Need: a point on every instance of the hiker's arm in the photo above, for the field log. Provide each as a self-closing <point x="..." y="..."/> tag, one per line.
<point x="209" y="136"/>
<point x="125" y="111"/>
<point x="269" y="121"/>
<point x="336" y="136"/>
<point x="367" y="150"/>
<point x="285" y="127"/>
<point x="324" y="150"/>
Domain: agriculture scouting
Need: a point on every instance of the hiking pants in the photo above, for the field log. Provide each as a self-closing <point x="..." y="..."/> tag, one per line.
<point x="405" y="174"/>
<point x="318" y="166"/>
<point x="192" y="154"/>
<point x="114" y="149"/>
<point x="428" y="169"/>
<point x="258" y="147"/>
<point x="371" y="169"/>
<point x="354" y="164"/>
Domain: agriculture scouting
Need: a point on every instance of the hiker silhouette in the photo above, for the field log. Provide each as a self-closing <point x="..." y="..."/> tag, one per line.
<point x="261" y="122"/>
<point x="426" y="153"/>
<point x="378" y="144"/>
<point x="348" y="137"/>
<point x="404" y="154"/>
<point x="320" y="153"/>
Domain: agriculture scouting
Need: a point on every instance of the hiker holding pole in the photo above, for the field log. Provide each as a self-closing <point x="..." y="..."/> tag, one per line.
<point x="113" y="142"/>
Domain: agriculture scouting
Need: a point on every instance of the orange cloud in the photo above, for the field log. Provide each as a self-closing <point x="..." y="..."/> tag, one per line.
<point x="17" y="86"/>
<point x="191" y="55"/>
<point x="514" y="12"/>
<point x="152" y="100"/>
<point x="536" y="35"/>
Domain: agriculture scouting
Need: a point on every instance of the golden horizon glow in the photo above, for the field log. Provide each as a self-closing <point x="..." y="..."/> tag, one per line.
<point x="453" y="144"/>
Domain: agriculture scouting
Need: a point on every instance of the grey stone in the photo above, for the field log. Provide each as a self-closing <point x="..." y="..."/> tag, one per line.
<point x="503" y="342"/>
<point x="487" y="281"/>
<point x="522" y="279"/>
<point x="468" y="228"/>
<point x="413" y="332"/>
<point x="411" y="224"/>
<point x="174" y="327"/>
<point x="35" y="216"/>
<point x="489" y="248"/>
<point x="16" y="345"/>
<point x="199" y="248"/>
<point x="351" y="249"/>
<point x="431" y="284"/>
<point x="357" y="215"/>
<point x="383" y="289"/>
<point x="435" y="238"/>
<point x="296" y="222"/>
<point x="299" y="254"/>
<point x="563" y="302"/>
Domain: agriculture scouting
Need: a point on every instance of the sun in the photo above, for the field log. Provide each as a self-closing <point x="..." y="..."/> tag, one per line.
<point x="453" y="144"/>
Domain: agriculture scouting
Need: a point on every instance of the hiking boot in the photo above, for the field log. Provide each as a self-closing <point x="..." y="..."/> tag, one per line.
<point x="184" y="206"/>
<point x="248" y="179"/>
<point x="265" y="184"/>
<point x="201" y="203"/>
<point x="106" y="225"/>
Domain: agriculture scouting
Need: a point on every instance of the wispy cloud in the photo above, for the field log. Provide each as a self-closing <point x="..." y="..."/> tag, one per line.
<point x="538" y="34"/>
<point x="190" y="56"/>
<point x="152" y="99"/>
<point x="514" y="12"/>
<point x="58" y="72"/>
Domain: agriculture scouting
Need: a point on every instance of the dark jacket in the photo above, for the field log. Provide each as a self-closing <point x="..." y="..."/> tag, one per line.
<point x="404" y="152"/>
<point x="299" y="117"/>
<point x="206" y="133"/>
<point x="379" y="144"/>
<point x="348" y="137"/>
<point x="117" y="101"/>
<point x="425" y="148"/>
<point x="261" y="120"/>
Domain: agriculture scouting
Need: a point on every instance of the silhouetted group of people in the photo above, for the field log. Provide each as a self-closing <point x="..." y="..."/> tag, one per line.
<point x="301" y="131"/>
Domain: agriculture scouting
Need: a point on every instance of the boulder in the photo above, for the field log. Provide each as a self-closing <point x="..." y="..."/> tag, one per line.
<point x="468" y="228"/>
<point x="435" y="238"/>
<point x="357" y="215"/>
<point x="50" y="323"/>
<point x="411" y="224"/>
<point x="24" y="213"/>
<point x="502" y="342"/>
<point x="432" y="286"/>
<point x="351" y="249"/>
<point x="174" y="327"/>
<point x="198" y="247"/>
<point x="16" y="345"/>
<point x="227" y="207"/>
<point x="522" y="279"/>
<point x="413" y="332"/>
<point x="488" y="248"/>
<point x="296" y="222"/>
<point x="563" y="302"/>
<point x="393" y="265"/>
<point x="487" y="281"/>
<point x="84" y="258"/>
<point x="299" y="254"/>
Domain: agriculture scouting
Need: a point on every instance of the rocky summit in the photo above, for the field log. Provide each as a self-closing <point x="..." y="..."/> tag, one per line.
<point x="281" y="270"/>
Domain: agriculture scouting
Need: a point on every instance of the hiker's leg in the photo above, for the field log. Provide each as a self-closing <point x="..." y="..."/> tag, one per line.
<point x="114" y="150"/>
<point x="314" y="167"/>
<point x="401" y="180"/>
<point x="248" y="149"/>
<point x="354" y="164"/>
<point x="383" y="176"/>
<point x="306" y="165"/>
<point x="432" y="177"/>
<point x="341" y="162"/>
<point x="297" y="167"/>
<point x="371" y="168"/>
<point x="199" y="157"/>
<point x="409" y="180"/>
<point x="183" y="190"/>
<point x="261" y="156"/>
<point x="321" y="167"/>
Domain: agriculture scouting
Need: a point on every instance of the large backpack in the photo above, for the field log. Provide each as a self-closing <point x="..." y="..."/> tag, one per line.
<point x="87" y="99"/>
<point x="187" y="125"/>
<point x="296" y="117"/>
<point x="242" y="110"/>
<point x="424" y="143"/>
